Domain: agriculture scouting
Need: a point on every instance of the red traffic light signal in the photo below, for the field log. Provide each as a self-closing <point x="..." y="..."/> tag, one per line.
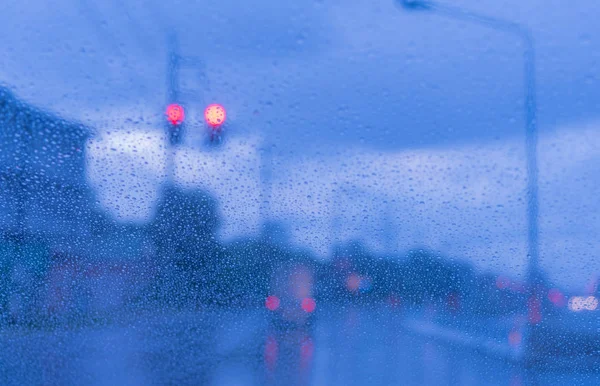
<point x="175" y="114"/>
<point x="215" y="115"/>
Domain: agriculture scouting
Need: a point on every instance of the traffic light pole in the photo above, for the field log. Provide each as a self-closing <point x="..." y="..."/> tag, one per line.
<point x="172" y="129"/>
<point x="175" y="126"/>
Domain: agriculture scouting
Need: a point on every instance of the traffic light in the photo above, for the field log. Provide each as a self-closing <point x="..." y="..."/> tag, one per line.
<point x="175" y="114"/>
<point x="215" y="116"/>
<point x="175" y="117"/>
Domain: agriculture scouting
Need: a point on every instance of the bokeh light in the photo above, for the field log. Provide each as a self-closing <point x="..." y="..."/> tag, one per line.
<point x="272" y="302"/>
<point x="307" y="348"/>
<point x="175" y="114"/>
<point x="515" y="338"/>
<point x="215" y="115"/>
<point x="353" y="282"/>
<point x="581" y="303"/>
<point x="271" y="352"/>
<point x="556" y="297"/>
<point x="309" y="304"/>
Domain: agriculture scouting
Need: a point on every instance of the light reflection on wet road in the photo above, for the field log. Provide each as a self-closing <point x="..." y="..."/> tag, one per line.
<point x="345" y="346"/>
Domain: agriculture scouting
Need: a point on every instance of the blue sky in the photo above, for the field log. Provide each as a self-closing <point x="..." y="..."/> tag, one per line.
<point x="408" y="112"/>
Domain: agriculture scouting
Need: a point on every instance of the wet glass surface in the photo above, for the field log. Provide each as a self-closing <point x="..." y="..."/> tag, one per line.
<point x="322" y="192"/>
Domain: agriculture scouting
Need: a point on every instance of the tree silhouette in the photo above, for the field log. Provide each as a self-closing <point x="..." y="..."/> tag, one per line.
<point x="184" y="235"/>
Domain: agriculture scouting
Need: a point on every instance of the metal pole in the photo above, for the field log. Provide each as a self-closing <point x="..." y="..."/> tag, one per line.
<point x="172" y="131"/>
<point x="531" y="139"/>
<point x="530" y="112"/>
<point x="531" y="135"/>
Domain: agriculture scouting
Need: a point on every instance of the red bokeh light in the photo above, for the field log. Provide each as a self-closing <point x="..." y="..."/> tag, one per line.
<point x="272" y="302"/>
<point x="307" y="348"/>
<point x="556" y="297"/>
<point x="309" y="304"/>
<point x="515" y="338"/>
<point x="215" y="115"/>
<point x="517" y="287"/>
<point x="502" y="282"/>
<point x="271" y="352"/>
<point x="353" y="282"/>
<point x="175" y="114"/>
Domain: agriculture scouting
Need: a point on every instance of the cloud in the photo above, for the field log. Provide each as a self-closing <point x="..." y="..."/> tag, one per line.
<point x="125" y="168"/>
<point x="467" y="201"/>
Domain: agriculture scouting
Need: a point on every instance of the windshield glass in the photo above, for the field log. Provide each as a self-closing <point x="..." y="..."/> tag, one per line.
<point x="322" y="192"/>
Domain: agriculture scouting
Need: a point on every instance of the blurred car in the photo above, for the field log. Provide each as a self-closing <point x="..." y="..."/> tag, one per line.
<point x="567" y="335"/>
<point x="291" y="300"/>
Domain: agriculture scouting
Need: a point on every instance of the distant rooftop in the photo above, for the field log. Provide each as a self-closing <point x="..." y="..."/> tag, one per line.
<point x="15" y="111"/>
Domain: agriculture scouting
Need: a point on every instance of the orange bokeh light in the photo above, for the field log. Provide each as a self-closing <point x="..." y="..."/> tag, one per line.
<point x="215" y="115"/>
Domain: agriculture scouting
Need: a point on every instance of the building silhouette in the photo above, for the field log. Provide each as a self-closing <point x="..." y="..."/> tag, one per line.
<point x="43" y="189"/>
<point x="46" y="206"/>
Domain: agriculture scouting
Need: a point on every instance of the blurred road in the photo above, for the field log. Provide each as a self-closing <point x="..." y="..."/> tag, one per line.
<point x="350" y="345"/>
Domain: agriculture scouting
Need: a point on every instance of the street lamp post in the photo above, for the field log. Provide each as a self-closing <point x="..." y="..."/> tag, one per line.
<point x="531" y="140"/>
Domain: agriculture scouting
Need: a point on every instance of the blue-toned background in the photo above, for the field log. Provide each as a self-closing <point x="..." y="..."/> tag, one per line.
<point x="405" y="113"/>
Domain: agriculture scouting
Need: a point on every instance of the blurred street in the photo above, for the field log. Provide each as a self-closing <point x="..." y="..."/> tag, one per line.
<point x="349" y="345"/>
<point x="307" y="193"/>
